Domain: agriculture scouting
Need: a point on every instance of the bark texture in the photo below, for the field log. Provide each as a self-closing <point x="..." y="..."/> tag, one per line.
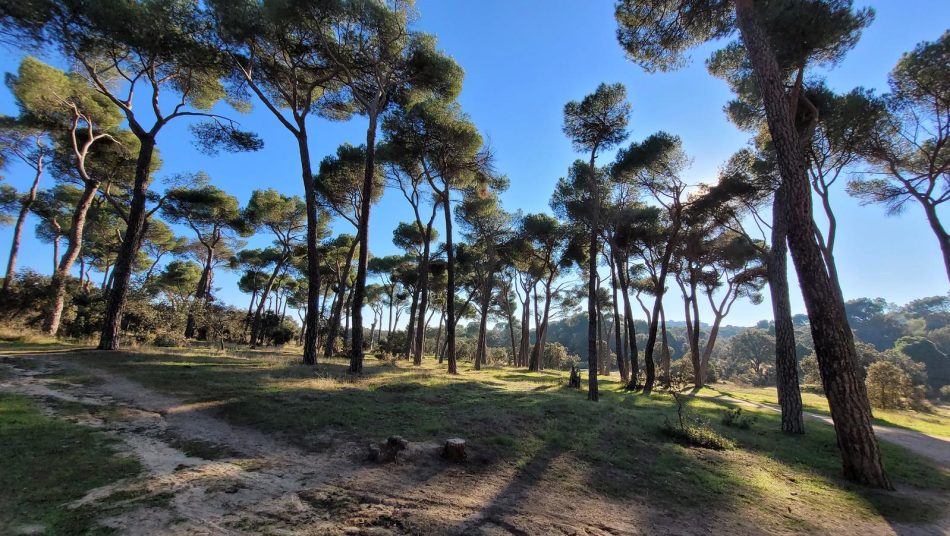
<point x="834" y="342"/>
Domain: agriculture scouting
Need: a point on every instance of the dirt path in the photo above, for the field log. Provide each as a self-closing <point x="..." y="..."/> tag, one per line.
<point x="204" y="476"/>
<point x="935" y="448"/>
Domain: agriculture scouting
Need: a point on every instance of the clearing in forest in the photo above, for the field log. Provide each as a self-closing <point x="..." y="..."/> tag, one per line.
<point x="194" y="441"/>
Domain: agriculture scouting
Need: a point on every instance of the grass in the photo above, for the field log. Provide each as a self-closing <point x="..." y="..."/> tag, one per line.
<point x="528" y="421"/>
<point x="48" y="463"/>
<point x="936" y="423"/>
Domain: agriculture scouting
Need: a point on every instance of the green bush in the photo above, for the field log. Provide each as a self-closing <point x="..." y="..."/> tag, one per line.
<point x="697" y="435"/>
<point x="734" y="418"/>
<point x="168" y="340"/>
<point x="281" y="335"/>
<point x="556" y="356"/>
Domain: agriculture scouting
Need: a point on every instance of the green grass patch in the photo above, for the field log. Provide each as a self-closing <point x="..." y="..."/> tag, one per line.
<point x="48" y="463"/>
<point x="935" y="423"/>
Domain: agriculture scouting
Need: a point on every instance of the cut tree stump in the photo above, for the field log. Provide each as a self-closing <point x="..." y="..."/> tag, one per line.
<point x="454" y="450"/>
<point x="386" y="451"/>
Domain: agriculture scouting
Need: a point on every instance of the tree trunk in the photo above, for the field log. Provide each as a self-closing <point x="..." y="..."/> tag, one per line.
<point x="450" y="284"/>
<point x="311" y="328"/>
<point x="942" y="238"/>
<point x="201" y="292"/>
<point x="131" y="242"/>
<point x="56" y="251"/>
<point x="537" y="353"/>
<point x="618" y="336"/>
<point x="265" y="293"/>
<point x="592" y="341"/>
<point x="58" y="281"/>
<point x="423" y="297"/>
<point x="408" y="348"/>
<point x="438" y="336"/>
<point x="359" y="287"/>
<point x="525" y="341"/>
<point x="511" y="327"/>
<point x="631" y="329"/>
<point x="336" y="311"/>
<point x="18" y="228"/>
<point x="480" y="347"/>
<point x="786" y="362"/>
<point x="834" y="342"/>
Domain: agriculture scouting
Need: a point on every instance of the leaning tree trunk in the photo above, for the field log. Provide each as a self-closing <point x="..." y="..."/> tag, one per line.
<point x="834" y="342"/>
<point x="18" y="228"/>
<point x="933" y="219"/>
<point x="786" y="362"/>
<point x="131" y="242"/>
<point x="359" y="287"/>
<point x="58" y="281"/>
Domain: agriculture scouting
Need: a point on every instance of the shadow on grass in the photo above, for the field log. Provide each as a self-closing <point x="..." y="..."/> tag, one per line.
<point x="615" y="442"/>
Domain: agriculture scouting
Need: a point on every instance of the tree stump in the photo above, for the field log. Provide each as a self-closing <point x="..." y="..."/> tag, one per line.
<point x="454" y="450"/>
<point x="575" y="381"/>
<point x="386" y="451"/>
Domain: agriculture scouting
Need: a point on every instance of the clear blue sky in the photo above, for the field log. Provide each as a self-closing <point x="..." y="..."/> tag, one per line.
<point x="523" y="60"/>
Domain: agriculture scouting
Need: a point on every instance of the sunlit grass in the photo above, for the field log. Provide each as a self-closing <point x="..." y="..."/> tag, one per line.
<point x="524" y="420"/>
<point x="935" y="423"/>
<point x="47" y="463"/>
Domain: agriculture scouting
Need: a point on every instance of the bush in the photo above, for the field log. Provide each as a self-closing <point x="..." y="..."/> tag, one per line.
<point x="888" y="386"/>
<point x="557" y="357"/>
<point x="810" y="373"/>
<point x="281" y="335"/>
<point x="697" y="435"/>
<point x="734" y="418"/>
<point x="167" y="340"/>
<point x="681" y="370"/>
<point x="465" y="349"/>
<point x="945" y="393"/>
<point x="497" y="356"/>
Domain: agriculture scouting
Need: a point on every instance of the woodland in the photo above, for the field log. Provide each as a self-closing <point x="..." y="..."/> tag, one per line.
<point x="506" y="367"/>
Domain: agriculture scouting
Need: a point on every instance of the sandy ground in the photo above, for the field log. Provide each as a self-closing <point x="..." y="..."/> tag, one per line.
<point x="264" y="486"/>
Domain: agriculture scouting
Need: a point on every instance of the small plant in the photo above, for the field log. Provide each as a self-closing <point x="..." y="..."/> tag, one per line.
<point x="693" y="432"/>
<point x="734" y="418"/>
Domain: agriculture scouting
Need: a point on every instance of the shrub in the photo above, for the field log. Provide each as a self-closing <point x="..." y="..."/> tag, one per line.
<point x="810" y="373"/>
<point x="888" y="386"/>
<point x="697" y="435"/>
<point x="465" y="349"/>
<point x="281" y="335"/>
<point x="734" y="418"/>
<point x="556" y="356"/>
<point x="497" y="356"/>
<point x="168" y="340"/>
<point x="945" y="393"/>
